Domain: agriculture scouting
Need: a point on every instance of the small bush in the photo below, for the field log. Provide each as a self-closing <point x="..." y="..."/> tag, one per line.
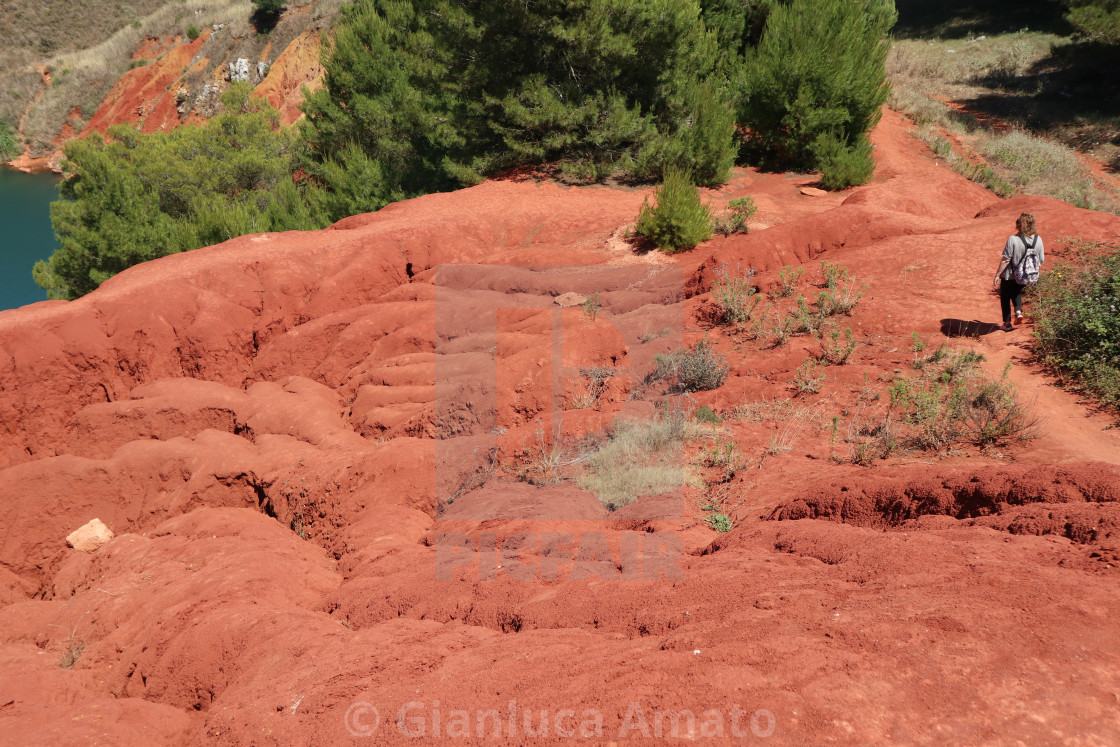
<point x="1078" y="321"/>
<point x="679" y="220"/>
<point x="832" y="274"/>
<point x="594" y="382"/>
<point x="9" y="148"/>
<point x="843" y="165"/>
<point x="724" y="455"/>
<point x="705" y="414"/>
<point x="590" y="306"/>
<point x="693" y="369"/>
<point x="785" y="327"/>
<point x="193" y="32"/>
<point x="734" y="219"/>
<point x="837" y="345"/>
<point x="840" y="298"/>
<point x="955" y="402"/>
<point x="804" y="319"/>
<point x="809" y="377"/>
<point x="734" y="294"/>
<point x="269" y="7"/>
<point x="787" y="281"/>
<point x="719" y="522"/>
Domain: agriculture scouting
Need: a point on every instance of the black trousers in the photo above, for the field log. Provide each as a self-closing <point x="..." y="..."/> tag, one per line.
<point x="1010" y="292"/>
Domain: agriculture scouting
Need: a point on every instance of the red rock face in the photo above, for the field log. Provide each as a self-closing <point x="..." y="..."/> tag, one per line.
<point x="273" y="429"/>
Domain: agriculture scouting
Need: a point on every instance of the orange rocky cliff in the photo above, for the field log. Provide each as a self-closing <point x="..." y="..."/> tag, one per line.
<point x="155" y="96"/>
<point x="272" y="428"/>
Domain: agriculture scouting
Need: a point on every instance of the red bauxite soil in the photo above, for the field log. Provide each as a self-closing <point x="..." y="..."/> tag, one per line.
<point x="272" y="427"/>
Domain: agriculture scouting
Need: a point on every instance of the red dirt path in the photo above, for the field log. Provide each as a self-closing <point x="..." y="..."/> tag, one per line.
<point x="214" y="408"/>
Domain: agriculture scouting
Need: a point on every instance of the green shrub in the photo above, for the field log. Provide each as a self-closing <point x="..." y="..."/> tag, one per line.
<point x="734" y="219"/>
<point x="837" y="345"/>
<point x="956" y="402"/>
<point x="787" y="281"/>
<point x="832" y="274"/>
<point x="735" y="294"/>
<point x="719" y="522"/>
<point x="841" y="292"/>
<point x="820" y="67"/>
<point x="9" y="148"/>
<point x="441" y="94"/>
<point x="693" y="369"/>
<point x="1077" y="324"/>
<point x="840" y="300"/>
<point x="805" y="319"/>
<point x="679" y="219"/>
<point x="193" y="32"/>
<point x="705" y="414"/>
<point x="843" y="165"/>
<point x="269" y="7"/>
<point x="143" y="196"/>
<point x="809" y="376"/>
<point x="1099" y="20"/>
<point x="590" y="306"/>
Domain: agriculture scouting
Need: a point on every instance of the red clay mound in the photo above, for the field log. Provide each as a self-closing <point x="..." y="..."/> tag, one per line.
<point x="308" y="446"/>
<point x="889" y="500"/>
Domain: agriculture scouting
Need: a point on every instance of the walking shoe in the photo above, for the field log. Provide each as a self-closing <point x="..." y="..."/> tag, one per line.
<point x="1018" y="317"/>
<point x="1007" y="327"/>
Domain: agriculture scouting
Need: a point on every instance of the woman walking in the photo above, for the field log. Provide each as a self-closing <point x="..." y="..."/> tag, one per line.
<point x="1024" y="241"/>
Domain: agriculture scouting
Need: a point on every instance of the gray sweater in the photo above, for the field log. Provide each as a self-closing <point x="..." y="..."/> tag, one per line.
<point x="1016" y="248"/>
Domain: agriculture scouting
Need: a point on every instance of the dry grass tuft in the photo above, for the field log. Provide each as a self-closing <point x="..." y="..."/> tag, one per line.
<point x="643" y="457"/>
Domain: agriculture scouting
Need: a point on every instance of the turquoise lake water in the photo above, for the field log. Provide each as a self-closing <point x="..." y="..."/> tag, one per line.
<point x="25" y="233"/>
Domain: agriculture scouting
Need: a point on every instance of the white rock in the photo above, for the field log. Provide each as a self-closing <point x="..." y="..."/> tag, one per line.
<point x="90" y="537"/>
<point x="569" y="299"/>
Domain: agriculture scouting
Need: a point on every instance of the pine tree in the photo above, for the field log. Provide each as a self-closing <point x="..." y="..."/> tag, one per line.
<point x="1099" y="20"/>
<point x="143" y="196"/>
<point x="678" y="219"/>
<point x="439" y="94"/>
<point x="819" y="68"/>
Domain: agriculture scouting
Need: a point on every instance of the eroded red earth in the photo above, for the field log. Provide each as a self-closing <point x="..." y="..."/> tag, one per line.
<point x="273" y="427"/>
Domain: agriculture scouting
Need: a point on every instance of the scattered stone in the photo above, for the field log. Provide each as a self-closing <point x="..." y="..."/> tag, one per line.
<point x="570" y="299"/>
<point x="90" y="537"/>
<point x="239" y="70"/>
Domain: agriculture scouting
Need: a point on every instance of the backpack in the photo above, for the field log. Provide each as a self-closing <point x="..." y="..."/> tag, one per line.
<point x="1026" y="272"/>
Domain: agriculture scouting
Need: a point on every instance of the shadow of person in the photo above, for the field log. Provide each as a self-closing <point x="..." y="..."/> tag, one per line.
<point x="961" y="328"/>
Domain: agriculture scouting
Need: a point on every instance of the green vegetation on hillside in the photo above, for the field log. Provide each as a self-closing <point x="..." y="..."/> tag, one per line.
<point x="442" y="94"/>
<point x="9" y="148"/>
<point x="1025" y="66"/>
<point x="1097" y="19"/>
<point x="139" y="196"/>
<point x="433" y="95"/>
<point x="1078" y="320"/>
